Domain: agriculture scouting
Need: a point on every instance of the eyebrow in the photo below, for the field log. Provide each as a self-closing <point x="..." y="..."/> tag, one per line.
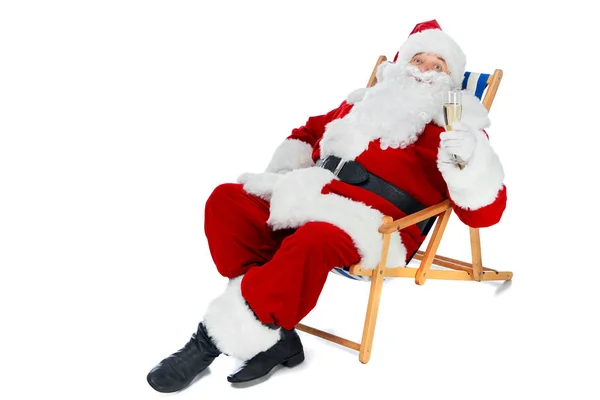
<point x="438" y="57"/>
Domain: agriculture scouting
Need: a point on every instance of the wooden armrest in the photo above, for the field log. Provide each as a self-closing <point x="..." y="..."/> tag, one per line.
<point x="373" y="78"/>
<point x="415" y="218"/>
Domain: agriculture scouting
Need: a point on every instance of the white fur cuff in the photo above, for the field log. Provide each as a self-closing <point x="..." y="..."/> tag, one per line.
<point x="234" y="328"/>
<point x="290" y="155"/>
<point x="260" y="185"/>
<point x="478" y="184"/>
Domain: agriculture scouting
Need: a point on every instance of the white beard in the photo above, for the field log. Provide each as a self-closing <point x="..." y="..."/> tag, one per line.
<point x="395" y="110"/>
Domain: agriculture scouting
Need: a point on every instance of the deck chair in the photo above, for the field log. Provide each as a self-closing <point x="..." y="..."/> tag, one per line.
<point x="484" y="86"/>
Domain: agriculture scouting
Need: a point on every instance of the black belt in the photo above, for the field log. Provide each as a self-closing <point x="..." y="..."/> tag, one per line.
<point x="353" y="173"/>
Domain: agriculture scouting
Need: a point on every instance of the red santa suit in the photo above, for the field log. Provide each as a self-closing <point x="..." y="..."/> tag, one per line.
<point x="278" y="234"/>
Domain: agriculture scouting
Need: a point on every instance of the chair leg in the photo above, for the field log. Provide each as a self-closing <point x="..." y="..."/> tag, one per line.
<point x="372" y="309"/>
<point x="373" y="306"/>
<point x="434" y="243"/>
<point x="476" y="253"/>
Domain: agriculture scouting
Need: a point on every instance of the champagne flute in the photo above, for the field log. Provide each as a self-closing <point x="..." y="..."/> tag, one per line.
<point x="452" y="102"/>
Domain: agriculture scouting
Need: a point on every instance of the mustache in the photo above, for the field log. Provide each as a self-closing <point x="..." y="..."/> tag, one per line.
<point x="410" y="74"/>
<point x="431" y="76"/>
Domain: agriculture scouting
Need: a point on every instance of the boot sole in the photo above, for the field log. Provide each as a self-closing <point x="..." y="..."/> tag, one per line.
<point x="290" y="362"/>
<point x="294" y="360"/>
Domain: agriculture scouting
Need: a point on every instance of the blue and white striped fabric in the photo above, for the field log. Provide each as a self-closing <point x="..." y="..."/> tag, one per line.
<point x="344" y="271"/>
<point x="475" y="83"/>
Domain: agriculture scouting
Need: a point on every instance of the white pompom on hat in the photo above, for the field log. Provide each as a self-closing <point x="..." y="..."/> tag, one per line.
<point x="428" y="37"/>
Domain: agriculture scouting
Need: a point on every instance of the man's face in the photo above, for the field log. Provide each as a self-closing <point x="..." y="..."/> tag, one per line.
<point x="429" y="62"/>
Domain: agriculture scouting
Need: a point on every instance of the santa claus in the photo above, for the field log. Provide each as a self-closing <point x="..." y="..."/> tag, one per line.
<point x="276" y="235"/>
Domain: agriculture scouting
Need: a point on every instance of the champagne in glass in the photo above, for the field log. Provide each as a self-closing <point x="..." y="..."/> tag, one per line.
<point x="452" y="113"/>
<point x="452" y="102"/>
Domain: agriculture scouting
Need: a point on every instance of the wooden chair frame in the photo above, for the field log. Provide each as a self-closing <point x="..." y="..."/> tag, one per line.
<point x="453" y="269"/>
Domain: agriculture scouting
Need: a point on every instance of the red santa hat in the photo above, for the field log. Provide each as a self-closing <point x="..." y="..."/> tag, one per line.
<point x="428" y="37"/>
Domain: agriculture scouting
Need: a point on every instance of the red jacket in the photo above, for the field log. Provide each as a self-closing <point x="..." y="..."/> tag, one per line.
<point x="307" y="193"/>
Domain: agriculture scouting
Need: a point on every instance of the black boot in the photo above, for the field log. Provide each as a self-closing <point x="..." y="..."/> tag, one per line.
<point x="179" y="369"/>
<point x="287" y="351"/>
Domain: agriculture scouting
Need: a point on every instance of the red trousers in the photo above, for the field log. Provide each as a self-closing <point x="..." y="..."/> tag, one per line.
<point x="284" y="271"/>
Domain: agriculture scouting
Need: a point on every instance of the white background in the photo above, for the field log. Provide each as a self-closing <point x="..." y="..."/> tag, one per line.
<point x="118" y="118"/>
